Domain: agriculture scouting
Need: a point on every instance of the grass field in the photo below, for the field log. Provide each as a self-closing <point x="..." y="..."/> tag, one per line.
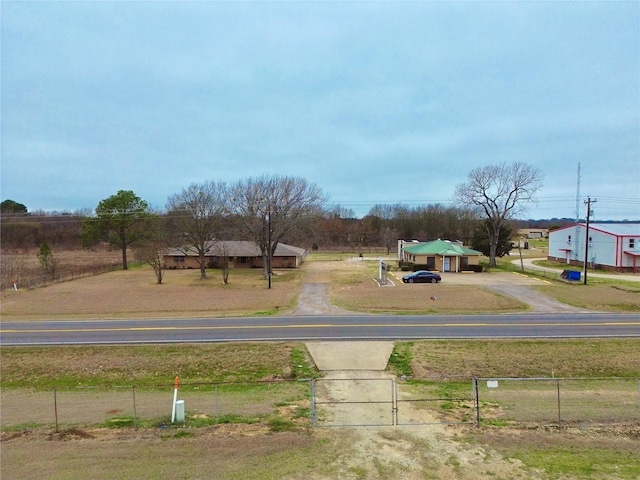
<point x="275" y="445"/>
<point x="278" y="445"/>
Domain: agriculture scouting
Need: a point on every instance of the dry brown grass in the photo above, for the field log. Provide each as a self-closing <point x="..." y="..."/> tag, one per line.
<point x="134" y="293"/>
<point x="423" y="299"/>
<point x="597" y="296"/>
<point x="527" y="358"/>
<point x="29" y="367"/>
<point x="358" y="291"/>
<point x="25" y="268"/>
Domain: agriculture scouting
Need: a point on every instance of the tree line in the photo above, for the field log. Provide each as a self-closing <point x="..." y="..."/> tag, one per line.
<point x="279" y="209"/>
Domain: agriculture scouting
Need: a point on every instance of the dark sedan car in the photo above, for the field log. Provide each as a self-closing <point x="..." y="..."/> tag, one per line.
<point x="422" y="276"/>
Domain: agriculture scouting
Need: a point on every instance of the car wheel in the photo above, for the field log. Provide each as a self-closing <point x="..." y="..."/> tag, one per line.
<point x="411" y="280"/>
<point x="434" y="280"/>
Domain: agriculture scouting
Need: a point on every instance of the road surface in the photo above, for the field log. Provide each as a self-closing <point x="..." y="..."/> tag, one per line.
<point x="355" y="327"/>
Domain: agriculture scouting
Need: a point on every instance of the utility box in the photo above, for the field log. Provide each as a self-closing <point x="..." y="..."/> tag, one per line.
<point x="180" y="411"/>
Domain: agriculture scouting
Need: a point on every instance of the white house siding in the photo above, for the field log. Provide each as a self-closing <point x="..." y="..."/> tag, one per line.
<point x="614" y="246"/>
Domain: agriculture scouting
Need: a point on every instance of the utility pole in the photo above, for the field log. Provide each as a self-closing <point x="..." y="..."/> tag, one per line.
<point x="269" y="241"/>
<point x="588" y="203"/>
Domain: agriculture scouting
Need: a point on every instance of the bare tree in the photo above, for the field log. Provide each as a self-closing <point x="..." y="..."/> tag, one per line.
<point x="196" y="214"/>
<point x="222" y="252"/>
<point x="499" y="193"/>
<point x="271" y="207"/>
<point x="152" y="253"/>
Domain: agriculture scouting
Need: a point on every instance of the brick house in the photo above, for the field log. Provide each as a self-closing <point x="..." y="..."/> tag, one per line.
<point x="242" y="254"/>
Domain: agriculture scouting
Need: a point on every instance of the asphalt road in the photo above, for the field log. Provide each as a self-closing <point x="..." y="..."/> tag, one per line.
<point x="355" y="327"/>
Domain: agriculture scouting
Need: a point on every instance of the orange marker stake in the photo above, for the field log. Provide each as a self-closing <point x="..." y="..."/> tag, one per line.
<point x="175" y="399"/>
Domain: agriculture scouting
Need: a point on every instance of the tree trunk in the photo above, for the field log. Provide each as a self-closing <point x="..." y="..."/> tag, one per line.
<point x="124" y="257"/>
<point x="493" y="247"/>
<point x="203" y="266"/>
<point x="265" y="265"/>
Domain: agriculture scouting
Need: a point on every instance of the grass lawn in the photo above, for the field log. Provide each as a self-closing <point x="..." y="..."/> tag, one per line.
<point x="278" y="443"/>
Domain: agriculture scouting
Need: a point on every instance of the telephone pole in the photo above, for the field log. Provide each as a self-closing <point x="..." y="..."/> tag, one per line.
<point x="588" y="203"/>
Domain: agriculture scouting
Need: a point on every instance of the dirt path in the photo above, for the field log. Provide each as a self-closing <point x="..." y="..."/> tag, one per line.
<point x="314" y="295"/>
<point x="358" y="399"/>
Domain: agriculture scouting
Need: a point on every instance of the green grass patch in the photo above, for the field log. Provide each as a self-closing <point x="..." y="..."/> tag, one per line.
<point x="181" y="434"/>
<point x="279" y="424"/>
<point x="301" y="364"/>
<point x="400" y="359"/>
<point x="584" y="460"/>
<point x="120" y="422"/>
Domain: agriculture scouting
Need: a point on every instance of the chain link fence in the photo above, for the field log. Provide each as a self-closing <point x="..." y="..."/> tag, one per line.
<point x="321" y="402"/>
<point x="562" y="401"/>
<point x="151" y="406"/>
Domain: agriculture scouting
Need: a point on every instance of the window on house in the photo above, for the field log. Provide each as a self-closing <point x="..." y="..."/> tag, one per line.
<point x="178" y="259"/>
<point x="242" y="259"/>
<point x="464" y="262"/>
<point x="569" y="239"/>
<point x="431" y="262"/>
<point x="632" y="243"/>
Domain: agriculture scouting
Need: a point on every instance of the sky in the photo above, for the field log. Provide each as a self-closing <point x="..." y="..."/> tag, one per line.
<point x="373" y="102"/>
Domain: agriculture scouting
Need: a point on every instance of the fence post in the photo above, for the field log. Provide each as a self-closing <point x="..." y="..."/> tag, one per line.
<point x="559" y="416"/>
<point x="135" y="415"/>
<point x="394" y="402"/>
<point x="55" y="407"/>
<point x="312" y="395"/>
<point x="216" y="401"/>
<point x="476" y="395"/>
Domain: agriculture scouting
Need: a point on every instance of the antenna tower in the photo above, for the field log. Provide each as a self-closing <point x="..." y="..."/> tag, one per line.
<point x="578" y="196"/>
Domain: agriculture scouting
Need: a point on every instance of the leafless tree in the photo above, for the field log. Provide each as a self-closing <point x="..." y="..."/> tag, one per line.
<point x="196" y="215"/>
<point x="222" y="252"/>
<point x="269" y="208"/>
<point x="152" y="253"/>
<point x="499" y="193"/>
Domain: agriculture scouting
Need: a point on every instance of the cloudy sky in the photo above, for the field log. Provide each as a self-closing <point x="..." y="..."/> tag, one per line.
<point x="374" y="102"/>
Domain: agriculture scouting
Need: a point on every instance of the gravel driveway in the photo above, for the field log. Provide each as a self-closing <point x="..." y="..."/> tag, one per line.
<point x="314" y="295"/>
<point x="514" y="285"/>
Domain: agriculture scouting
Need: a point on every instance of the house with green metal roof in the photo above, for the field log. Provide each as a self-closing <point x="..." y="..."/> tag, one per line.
<point x="441" y="255"/>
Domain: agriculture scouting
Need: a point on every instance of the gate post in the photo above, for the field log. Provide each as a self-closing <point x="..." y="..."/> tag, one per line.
<point x="394" y="402"/>
<point x="312" y="402"/>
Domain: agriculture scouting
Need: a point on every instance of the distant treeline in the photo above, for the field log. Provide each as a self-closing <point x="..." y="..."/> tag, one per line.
<point x="382" y="227"/>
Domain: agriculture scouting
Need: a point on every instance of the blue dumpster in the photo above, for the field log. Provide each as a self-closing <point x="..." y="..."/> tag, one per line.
<point x="575" y="276"/>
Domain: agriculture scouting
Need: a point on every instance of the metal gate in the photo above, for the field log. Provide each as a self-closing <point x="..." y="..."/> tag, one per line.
<point x="370" y="402"/>
<point x="347" y="402"/>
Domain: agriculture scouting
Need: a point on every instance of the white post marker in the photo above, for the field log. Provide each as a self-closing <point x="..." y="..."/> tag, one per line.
<point x="175" y="399"/>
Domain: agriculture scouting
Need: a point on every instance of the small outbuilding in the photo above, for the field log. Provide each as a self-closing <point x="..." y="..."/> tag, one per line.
<point x="440" y="255"/>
